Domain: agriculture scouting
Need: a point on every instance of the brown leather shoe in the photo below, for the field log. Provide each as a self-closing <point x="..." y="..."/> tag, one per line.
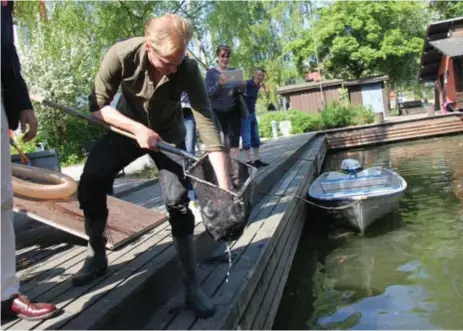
<point x="23" y="308"/>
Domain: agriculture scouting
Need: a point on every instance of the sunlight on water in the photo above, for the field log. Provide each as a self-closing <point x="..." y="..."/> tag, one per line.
<point x="406" y="271"/>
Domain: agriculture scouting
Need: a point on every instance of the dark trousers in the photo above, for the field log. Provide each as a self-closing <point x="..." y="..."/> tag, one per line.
<point x="114" y="152"/>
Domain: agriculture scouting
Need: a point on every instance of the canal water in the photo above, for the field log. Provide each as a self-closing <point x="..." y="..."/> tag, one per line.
<point x="406" y="272"/>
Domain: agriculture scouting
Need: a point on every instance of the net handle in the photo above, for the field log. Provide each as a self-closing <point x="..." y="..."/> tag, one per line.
<point x="161" y="144"/>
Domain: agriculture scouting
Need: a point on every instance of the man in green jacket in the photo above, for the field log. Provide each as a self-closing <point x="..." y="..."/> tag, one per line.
<point x="151" y="72"/>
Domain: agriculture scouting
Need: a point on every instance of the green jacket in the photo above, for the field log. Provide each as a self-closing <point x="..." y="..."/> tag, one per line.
<point x="126" y="66"/>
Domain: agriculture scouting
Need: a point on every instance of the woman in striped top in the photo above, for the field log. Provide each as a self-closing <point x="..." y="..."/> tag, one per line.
<point x="224" y="101"/>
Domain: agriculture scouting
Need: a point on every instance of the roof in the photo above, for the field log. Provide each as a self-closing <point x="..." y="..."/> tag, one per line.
<point x="366" y="80"/>
<point x="308" y="86"/>
<point x="451" y="46"/>
<point x="329" y="83"/>
<point x="432" y="52"/>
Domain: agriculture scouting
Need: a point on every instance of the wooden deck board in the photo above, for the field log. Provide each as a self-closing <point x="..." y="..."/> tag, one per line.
<point x="184" y="319"/>
<point x="125" y="220"/>
<point x="251" y="263"/>
<point x="59" y="288"/>
<point x="49" y="279"/>
<point x="162" y="319"/>
<point x="255" y="232"/>
<point x="170" y="316"/>
<point x="141" y="269"/>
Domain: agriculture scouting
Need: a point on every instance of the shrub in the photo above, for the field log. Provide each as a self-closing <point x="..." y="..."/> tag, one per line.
<point x="338" y="115"/>
<point x="304" y="122"/>
<point x="334" y="115"/>
<point x="265" y="120"/>
<point x="363" y="115"/>
<point x="300" y="122"/>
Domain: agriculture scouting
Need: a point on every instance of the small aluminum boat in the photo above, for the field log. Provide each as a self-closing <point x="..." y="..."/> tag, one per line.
<point x="357" y="196"/>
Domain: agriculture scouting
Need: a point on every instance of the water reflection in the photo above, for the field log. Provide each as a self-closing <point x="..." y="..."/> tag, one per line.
<point x="405" y="272"/>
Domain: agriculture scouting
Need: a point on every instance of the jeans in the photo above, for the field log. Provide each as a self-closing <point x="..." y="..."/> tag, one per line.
<point x="250" y="132"/>
<point x="113" y="153"/>
<point x="190" y="143"/>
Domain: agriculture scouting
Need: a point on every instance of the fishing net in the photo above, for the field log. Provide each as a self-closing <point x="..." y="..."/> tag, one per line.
<point x="224" y="213"/>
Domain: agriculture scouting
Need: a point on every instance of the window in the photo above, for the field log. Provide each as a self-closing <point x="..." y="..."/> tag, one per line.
<point x="458" y="72"/>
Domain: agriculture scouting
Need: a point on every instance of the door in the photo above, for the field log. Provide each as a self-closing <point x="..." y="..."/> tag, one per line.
<point x="372" y="95"/>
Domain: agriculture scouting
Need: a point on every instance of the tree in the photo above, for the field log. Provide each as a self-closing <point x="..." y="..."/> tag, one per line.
<point x="61" y="51"/>
<point x="446" y="9"/>
<point x="358" y="39"/>
<point x="257" y="32"/>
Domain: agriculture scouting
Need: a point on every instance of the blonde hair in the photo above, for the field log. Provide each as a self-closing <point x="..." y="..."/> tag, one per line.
<point x="168" y="33"/>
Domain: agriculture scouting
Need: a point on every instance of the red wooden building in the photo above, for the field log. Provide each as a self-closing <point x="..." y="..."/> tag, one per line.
<point x="442" y="61"/>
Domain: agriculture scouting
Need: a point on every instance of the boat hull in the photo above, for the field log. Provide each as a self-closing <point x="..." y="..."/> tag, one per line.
<point x="360" y="214"/>
<point x="358" y="200"/>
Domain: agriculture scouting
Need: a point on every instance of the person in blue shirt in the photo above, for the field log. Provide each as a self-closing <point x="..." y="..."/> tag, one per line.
<point x="249" y="126"/>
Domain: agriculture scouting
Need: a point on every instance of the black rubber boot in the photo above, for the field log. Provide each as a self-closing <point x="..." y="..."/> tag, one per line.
<point x="195" y="298"/>
<point x="96" y="262"/>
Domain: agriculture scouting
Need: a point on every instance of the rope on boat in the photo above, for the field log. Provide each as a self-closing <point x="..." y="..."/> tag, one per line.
<point x="353" y="203"/>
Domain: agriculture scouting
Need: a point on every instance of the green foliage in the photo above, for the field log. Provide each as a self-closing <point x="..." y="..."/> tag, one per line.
<point x="60" y="56"/>
<point x="355" y="39"/>
<point x="338" y="115"/>
<point x="334" y="115"/>
<point x="26" y="147"/>
<point x="265" y="120"/>
<point x="447" y="9"/>
<point x="300" y="122"/>
<point x="257" y="32"/>
<point x="61" y="51"/>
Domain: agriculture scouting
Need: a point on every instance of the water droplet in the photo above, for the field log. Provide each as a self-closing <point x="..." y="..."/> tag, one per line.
<point x="229" y="261"/>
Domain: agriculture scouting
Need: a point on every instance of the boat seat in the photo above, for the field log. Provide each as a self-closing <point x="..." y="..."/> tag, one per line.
<point x="341" y="179"/>
<point x="353" y="184"/>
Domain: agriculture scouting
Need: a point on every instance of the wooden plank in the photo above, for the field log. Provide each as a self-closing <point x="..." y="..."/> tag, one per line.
<point x="140" y="271"/>
<point x="26" y="260"/>
<point x="427" y="133"/>
<point x="162" y="318"/>
<point x="290" y="250"/>
<point x="252" y="308"/>
<point x="257" y="232"/>
<point x="214" y="276"/>
<point x="274" y="287"/>
<point x="125" y="221"/>
<point x="275" y="301"/>
<point x="55" y="267"/>
<point x="265" y="289"/>
<point x="243" y="297"/>
<point x="243" y="272"/>
<point x="247" y="292"/>
<point x="28" y="275"/>
<point x="59" y="289"/>
<point x="457" y="123"/>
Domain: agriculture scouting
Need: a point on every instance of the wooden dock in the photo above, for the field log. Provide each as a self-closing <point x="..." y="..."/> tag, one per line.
<point x="143" y="277"/>
<point x="394" y="131"/>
